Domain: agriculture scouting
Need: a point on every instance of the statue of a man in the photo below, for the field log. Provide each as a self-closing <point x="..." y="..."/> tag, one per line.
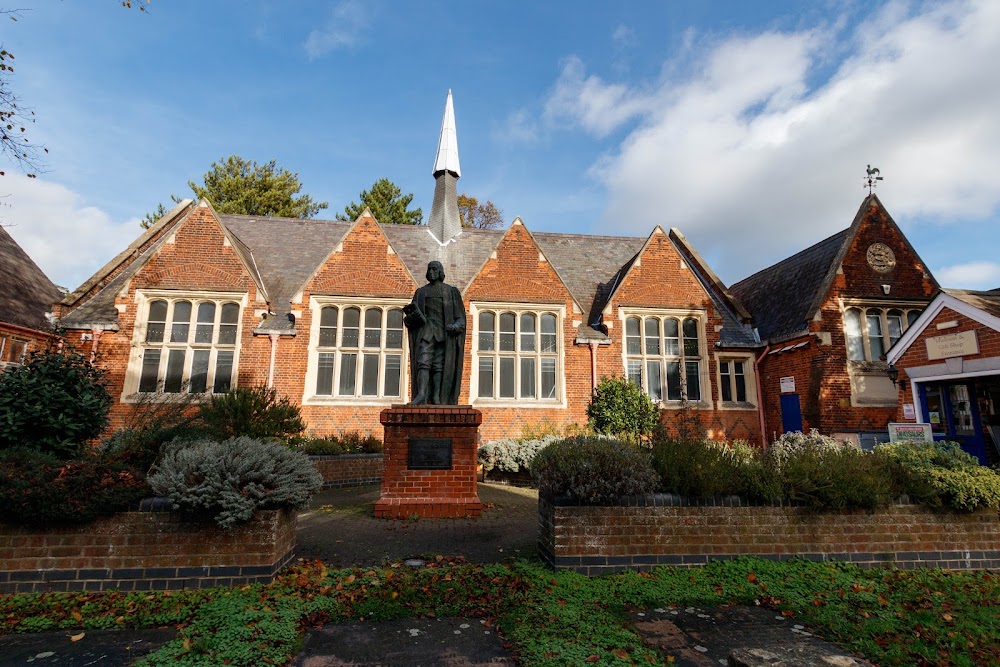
<point x="436" y="323"/>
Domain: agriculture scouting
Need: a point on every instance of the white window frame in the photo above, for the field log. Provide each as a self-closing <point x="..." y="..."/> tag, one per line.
<point x="881" y="308"/>
<point x="143" y="299"/>
<point x="536" y="309"/>
<point x="704" y="372"/>
<point x="749" y="379"/>
<point x="316" y="305"/>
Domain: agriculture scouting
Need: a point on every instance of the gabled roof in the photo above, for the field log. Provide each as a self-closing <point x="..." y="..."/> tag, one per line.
<point x="27" y="293"/>
<point x="988" y="301"/>
<point x="983" y="307"/>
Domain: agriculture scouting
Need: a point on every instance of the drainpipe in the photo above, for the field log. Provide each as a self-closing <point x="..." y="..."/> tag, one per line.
<point x="593" y="366"/>
<point x="270" y="369"/>
<point x="760" y="395"/>
<point x="95" y="335"/>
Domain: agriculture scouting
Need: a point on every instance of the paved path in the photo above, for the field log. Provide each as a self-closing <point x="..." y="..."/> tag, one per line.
<point x="340" y="529"/>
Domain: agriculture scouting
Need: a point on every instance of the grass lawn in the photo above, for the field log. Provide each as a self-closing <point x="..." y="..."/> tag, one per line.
<point x="924" y="617"/>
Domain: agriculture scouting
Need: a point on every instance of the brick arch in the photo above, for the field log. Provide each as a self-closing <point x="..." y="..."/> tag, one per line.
<point x="362" y="282"/>
<point x="195" y="276"/>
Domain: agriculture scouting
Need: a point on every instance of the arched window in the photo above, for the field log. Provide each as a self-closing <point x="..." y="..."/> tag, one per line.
<point x="855" y="341"/>
<point x="666" y="359"/>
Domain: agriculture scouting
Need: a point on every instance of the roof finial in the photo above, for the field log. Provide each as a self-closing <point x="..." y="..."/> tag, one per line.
<point x="873" y="178"/>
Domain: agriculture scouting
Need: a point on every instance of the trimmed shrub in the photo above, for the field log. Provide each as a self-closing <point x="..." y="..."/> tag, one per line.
<point x="39" y="489"/>
<point x="228" y="481"/>
<point x="593" y="470"/>
<point x="512" y="455"/>
<point x="941" y="474"/>
<point x="703" y="469"/>
<point x="53" y="403"/>
<point x="253" y="412"/>
<point x="620" y="408"/>
<point x="841" y="477"/>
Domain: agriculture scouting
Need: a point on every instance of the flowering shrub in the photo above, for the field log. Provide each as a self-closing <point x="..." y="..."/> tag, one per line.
<point x="230" y="480"/>
<point x="512" y="455"/>
<point x="593" y="471"/>
<point x="791" y="444"/>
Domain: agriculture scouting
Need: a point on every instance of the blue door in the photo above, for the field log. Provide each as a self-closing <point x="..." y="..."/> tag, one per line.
<point x="952" y="410"/>
<point x="791" y="413"/>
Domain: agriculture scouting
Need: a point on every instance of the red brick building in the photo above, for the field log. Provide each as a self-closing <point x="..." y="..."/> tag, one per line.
<point x="26" y="297"/>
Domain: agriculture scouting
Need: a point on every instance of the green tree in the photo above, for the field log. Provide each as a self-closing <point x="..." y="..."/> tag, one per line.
<point x="479" y="216"/>
<point x="387" y="203"/>
<point x="235" y="185"/>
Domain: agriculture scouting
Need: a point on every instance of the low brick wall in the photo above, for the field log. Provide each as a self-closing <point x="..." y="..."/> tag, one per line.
<point x="664" y="530"/>
<point x="144" y="550"/>
<point x="349" y="469"/>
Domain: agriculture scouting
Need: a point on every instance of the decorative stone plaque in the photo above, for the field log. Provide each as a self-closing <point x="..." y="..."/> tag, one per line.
<point x="952" y="345"/>
<point x="429" y="454"/>
<point x="881" y="257"/>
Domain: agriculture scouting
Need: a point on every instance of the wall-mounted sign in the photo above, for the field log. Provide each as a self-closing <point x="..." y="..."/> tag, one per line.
<point x="910" y="433"/>
<point x="788" y="385"/>
<point x="908" y="411"/>
<point x="952" y="345"/>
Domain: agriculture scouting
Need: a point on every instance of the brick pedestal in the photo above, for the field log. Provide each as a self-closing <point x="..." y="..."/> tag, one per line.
<point x="439" y="493"/>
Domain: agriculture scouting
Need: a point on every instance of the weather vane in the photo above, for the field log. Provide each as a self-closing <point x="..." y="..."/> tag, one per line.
<point x="873" y="178"/>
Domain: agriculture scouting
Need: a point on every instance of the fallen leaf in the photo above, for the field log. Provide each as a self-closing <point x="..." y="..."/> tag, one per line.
<point x="752" y="578"/>
<point x="621" y="653"/>
<point x="76" y="638"/>
<point x="593" y="658"/>
<point x="77" y="616"/>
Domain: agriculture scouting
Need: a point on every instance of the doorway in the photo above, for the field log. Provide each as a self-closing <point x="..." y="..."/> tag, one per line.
<point x="966" y="411"/>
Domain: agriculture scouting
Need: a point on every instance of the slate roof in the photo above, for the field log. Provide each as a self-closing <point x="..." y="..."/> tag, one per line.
<point x="988" y="301"/>
<point x="27" y="293"/>
<point x="782" y="296"/>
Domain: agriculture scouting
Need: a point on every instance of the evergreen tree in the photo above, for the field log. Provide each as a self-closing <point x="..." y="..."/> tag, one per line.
<point x="386" y="202"/>
<point x="240" y="186"/>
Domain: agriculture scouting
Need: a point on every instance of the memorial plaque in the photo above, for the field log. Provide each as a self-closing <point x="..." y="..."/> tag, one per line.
<point x="429" y="454"/>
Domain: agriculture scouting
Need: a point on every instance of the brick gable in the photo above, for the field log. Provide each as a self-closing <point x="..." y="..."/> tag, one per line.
<point x="661" y="278"/>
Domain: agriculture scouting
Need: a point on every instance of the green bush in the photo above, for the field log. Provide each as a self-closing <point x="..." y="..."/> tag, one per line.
<point x="353" y="442"/>
<point x="54" y="403"/>
<point x="253" y="412"/>
<point x="350" y="442"/>
<point x="512" y="455"/>
<point x="620" y="408"/>
<point x="792" y="443"/>
<point x="320" y="447"/>
<point x="703" y="469"/>
<point x="841" y="477"/>
<point x="593" y="470"/>
<point x="941" y="474"/>
<point x="228" y="481"/>
<point x="38" y="489"/>
<point x="152" y="421"/>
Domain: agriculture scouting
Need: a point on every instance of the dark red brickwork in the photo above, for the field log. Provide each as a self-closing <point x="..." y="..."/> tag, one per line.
<point x="141" y="550"/>
<point x="598" y="540"/>
<point x="349" y="469"/>
<point x="36" y="340"/>
<point x="429" y="493"/>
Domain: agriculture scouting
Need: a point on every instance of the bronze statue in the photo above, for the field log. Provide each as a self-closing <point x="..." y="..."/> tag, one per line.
<point x="436" y="323"/>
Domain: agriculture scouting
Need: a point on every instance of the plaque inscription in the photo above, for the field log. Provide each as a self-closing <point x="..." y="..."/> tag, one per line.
<point x="429" y="454"/>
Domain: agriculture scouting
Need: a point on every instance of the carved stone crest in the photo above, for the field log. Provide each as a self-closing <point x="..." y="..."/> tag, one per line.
<point x="881" y="257"/>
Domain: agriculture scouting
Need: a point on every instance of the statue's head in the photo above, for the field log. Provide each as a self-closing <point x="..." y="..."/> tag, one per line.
<point x="435" y="272"/>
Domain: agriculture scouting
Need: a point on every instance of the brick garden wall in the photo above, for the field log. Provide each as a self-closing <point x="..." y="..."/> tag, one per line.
<point x="144" y="550"/>
<point x="657" y="531"/>
<point x="349" y="469"/>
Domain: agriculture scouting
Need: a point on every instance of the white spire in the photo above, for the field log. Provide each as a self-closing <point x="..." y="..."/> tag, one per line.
<point x="447" y="153"/>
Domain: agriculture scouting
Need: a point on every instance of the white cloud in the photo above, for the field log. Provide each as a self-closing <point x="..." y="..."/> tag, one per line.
<point x="65" y="237"/>
<point x="344" y="29"/>
<point x="519" y="127"/>
<point x="972" y="275"/>
<point x="762" y="150"/>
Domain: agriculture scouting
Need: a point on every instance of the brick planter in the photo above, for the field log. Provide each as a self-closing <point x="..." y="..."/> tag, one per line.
<point x="144" y="550"/>
<point x="349" y="469"/>
<point x="662" y="530"/>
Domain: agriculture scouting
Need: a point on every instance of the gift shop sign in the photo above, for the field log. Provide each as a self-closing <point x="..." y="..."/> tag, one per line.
<point x="952" y="345"/>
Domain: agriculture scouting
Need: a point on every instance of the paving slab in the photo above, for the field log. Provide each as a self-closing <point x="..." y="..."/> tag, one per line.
<point x="98" y="648"/>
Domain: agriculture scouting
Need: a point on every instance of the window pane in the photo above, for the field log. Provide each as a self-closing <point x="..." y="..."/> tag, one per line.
<point x="206" y="322"/>
<point x="633" y="342"/>
<point x="651" y="328"/>
<point x="157" y="321"/>
<point x="911" y="317"/>
<point x="548" y="378"/>
<point x="181" y="322"/>
<point x="895" y="321"/>
<point x="393" y="364"/>
<point x="527" y="332"/>
<point x="633" y="368"/>
<point x="487" y="322"/>
<point x="741" y="383"/>
<point x="352" y="321"/>
<point x="223" y="372"/>
<point x="725" y="379"/>
<point x="548" y="333"/>
<point x="507" y="332"/>
<point x="693" y="378"/>
<point x="671" y="340"/>
<point x="486" y="377"/>
<point x="150" y="369"/>
<point x="369" y="376"/>
<point x="875" y="334"/>
<point x="654" y="381"/>
<point x="328" y="326"/>
<point x="691" y="337"/>
<point x="373" y="328"/>
<point x="673" y="381"/>
<point x="175" y="371"/>
<point x="528" y="377"/>
<point x="348" y="374"/>
<point x="506" y="377"/>
<point x="394" y="331"/>
<point x="199" y="371"/>
<point x="855" y="346"/>
<point x="324" y="378"/>
<point x="230" y="318"/>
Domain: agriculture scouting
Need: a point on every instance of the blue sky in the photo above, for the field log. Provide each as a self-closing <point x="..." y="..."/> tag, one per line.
<point x="746" y="125"/>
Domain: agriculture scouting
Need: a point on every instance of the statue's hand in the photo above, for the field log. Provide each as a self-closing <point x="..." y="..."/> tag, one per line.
<point x="455" y="328"/>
